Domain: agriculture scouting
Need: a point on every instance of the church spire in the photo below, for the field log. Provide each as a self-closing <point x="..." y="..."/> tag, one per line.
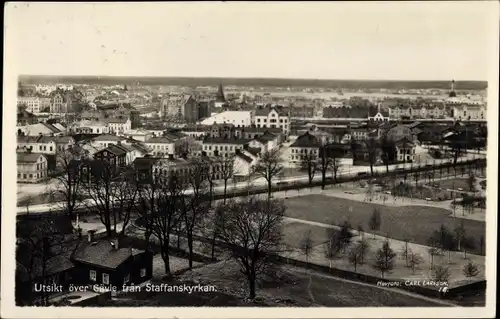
<point x="220" y="94"/>
<point x="452" y="92"/>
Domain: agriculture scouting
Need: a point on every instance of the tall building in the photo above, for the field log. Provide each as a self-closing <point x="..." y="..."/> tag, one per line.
<point x="452" y="91"/>
<point x="181" y="107"/>
<point x="220" y="99"/>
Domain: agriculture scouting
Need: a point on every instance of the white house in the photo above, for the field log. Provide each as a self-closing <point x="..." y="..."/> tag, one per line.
<point x="31" y="167"/>
<point x="273" y="118"/>
<point x="223" y="147"/>
<point x="33" y="104"/>
<point x="90" y="127"/>
<point x="139" y="134"/>
<point x="306" y="147"/>
<point x="119" y="125"/>
<point x="37" y="144"/>
<point x="106" y="140"/>
<point x="161" y="146"/>
<point x="265" y="142"/>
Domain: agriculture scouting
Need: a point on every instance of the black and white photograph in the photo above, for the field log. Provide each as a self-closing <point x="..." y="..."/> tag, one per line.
<point x="250" y="159"/>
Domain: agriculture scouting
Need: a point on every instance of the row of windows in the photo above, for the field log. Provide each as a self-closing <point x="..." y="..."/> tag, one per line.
<point x="159" y="147"/>
<point x="105" y="277"/>
<point x="303" y="150"/>
<point x="221" y="148"/>
<point x="30" y="176"/>
<point x="273" y="120"/>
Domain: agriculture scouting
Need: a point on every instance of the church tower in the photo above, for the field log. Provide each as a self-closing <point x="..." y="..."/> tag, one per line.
<point x="452" y="91"/>
<point x="220" y="99"/>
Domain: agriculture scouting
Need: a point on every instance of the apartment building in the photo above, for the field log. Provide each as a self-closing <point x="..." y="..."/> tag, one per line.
<point x="31" y="167"/>
<point x="223" y="147"/>
<point x="273" y="118"/>
<point x="181" y="107"/>
<point x="37" y="144"/>
<point x="469" y="112"/>
<point x="161" y="146"/>
<point x="118" y="125"/>
<point x="305" y="147"/>
<point x="90" y="127"/>
<point x="33" y="104"/>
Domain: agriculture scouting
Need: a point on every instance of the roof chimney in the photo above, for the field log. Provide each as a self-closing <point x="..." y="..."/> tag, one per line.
<point x="90" y="234"/>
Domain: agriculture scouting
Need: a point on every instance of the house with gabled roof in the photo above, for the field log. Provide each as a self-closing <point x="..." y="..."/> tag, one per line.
<point x="305" y="147"/>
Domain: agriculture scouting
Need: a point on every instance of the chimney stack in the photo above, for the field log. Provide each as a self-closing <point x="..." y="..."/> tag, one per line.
<point x="90" y="234"/>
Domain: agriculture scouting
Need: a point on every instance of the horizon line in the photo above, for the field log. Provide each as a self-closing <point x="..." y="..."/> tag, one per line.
<point x="244" y="78"/>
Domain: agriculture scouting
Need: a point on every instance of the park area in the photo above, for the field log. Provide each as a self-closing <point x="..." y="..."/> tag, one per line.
<point x="414" y="223"/>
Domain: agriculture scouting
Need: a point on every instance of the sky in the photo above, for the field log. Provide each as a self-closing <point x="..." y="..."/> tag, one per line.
<point x="369" y="40"/>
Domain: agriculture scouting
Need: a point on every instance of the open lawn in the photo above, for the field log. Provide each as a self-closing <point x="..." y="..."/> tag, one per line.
<point x="416" y="223"/>
<point x="294" y="232"/>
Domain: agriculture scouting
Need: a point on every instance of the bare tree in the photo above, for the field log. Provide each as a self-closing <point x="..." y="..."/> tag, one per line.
<point x="384" y="259"/>
<point x="252" y="230"/>
<point x="309" y="163"/>
<point x="101" y="192"/>
<point x="372" y="147"/>
<point x="388" y="150"/>
<point x="67" y="191"/>
<point x="406" y="252"/>
<point x="226" y="167"/>
<point x="468" y="244"/>
<point x="269" y="167"/>
<point x="375" y="221"/>
<point x="440" y="273"/>
<point x="471" y="270"/>
<point x="165" y="215"/>
<point x="360" y="231"/>
<point x="362" y="247"/>
<point x="306" y="245"/>
<point x="194" y="207"/>
<point x="127" y="192"/>
<point x="354" y="257"/>
<point x="332" y="245"/>
<point x="414" y="260"/>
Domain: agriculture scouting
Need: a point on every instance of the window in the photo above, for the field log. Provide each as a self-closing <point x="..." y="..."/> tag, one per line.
<point x="93" y="275"/>
<point x="126" y="279"/>
<point x="31" y="175"/>
<point x="105" y="279"/>
<point x="143" y="272"/>
<point x="18" y="175"/>
<point x="50" y="149"/>
<point x="258" y="120"/>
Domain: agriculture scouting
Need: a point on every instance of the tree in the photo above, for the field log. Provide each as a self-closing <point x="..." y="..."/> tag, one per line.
<point x="332" y="245"/>
<point x="38" y="246"/>
<point x="101" y="191"/>
<point x="226" y="171"/>
<point x="252" y="230"/>
<point x="165" y="214"/>
<point x="269" y="167"/>
<point x="388" y="150"/>
<point x="306" y="245"/>
<point x="345" y="235"/>
<point x="363" y="247"/>
<point x="325" y="162"/>
<point x="471" y="270"/>
<point x="471" y="182"/>
<point x="372" y="149"/>
<point x="309" y="163"/>
<point x="406" y="252"/>
<point x="440" y="273"/>
<point x="375" y="221"/>
<point x="216" y="222"/>
<point x="459" y="234"/>
<point x="67" y="191"/>
<point x="127" y="192"/>
<point x="384" y="259"/>
<point x="416" y="177"/>
<point x="336" y="164"/>
<point x="354" y="257"/>
<point x="468" y="244"/>
<point x="194" y="206"/>
<point x="414" y="260"/>
<point x="444" y="239"/>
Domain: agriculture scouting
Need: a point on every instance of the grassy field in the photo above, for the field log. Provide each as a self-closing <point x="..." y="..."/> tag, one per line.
<point x="283" y="287"/>
<point x="294" y="232"/>
<point x="416" y="223"/>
